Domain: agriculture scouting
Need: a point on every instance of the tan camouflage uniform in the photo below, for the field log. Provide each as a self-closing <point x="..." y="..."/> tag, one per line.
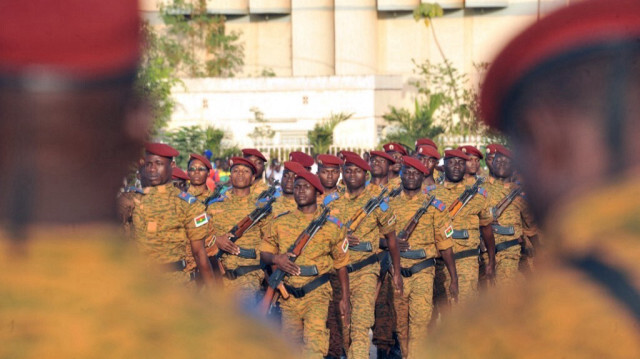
<point x="199" y="194"/>
<point x="304" y="319"/>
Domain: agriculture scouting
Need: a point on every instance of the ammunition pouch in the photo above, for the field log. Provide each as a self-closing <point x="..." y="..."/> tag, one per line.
<point x="362" y="247"/>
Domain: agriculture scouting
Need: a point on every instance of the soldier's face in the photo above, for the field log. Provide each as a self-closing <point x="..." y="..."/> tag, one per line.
<point x="429" y="162"/>
<point x="502" y="166"/>
<point x="489" y="159"/>
<point x="454" y="168"/>
<point x="398" y="165"/>
<point x="241" y="176"/>
<point x="157" y="170"/>
<point x="379" y="166"/>
<point x="411" y="178"/>
<point x="354" y="176"/>
<point x="329" y="176"/>
<point x="473" y="165"/>
<point x="180" y="184"/>
<point x="259" y="163"/>
<point x="288" y="179"/>
<point x="197" y="172"/>
<point x="304" y="193"/>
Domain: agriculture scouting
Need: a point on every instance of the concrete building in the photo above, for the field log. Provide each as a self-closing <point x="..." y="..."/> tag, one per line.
<point x="333" y="56"/>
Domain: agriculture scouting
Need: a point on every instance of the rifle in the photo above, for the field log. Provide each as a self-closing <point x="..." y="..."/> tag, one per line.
<point x="262" y="210"/>
<point x="216" y="193"/>
<point x="362" y="213"/>
<point x="496" y="211"/>
<point x="464" y="198"/>
<point x="275" y="280"/>
<point x="395" y="192"/>
<point x="408" y="229"/>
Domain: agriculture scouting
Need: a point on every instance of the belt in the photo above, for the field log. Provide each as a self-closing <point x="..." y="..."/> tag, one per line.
<point x="508" y="244"/>
<point x="307" y="288"/>
<point x="308" y="271"/>
<point x="414" y="254"/>
<point x="177" y="266"/>
<point x="363" y="263"/>
<point x="362" y="247"/>
<point x="408" y="272"/>
<point x="467" y="253"/>
<point x="460" y="234"/>
<point x="240" y="271"/>
<point x="505" y="231"/>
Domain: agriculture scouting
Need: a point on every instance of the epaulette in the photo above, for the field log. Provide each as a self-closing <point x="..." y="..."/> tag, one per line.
<point x="483" y="191"/>
<point x="216" y="200"/>
<point x="335" y="221"/>
<point x="429" y="188"/>
<point x="132" y="189"/>
<point x="438" y="204"/>
<point x="330" y="198"/>
<point x="185" y="196"/>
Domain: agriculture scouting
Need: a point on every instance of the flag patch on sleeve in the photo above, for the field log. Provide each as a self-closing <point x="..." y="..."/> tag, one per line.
<point x="448" y="231"/>
<point x="345" y="245"/>
<point x="201" y="220"/>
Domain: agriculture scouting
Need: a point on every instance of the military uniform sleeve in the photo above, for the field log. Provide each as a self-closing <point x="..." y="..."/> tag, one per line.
<point x="196" y="221"/>
<point x="441" y="222"/>
<point x="340" y="248"/>
<point x="529" y="227"/>
<point x="269" y="241"/>
<point x="484" y="215"/>
<point x="386" y="220"/>
<point x="139" y="224"/>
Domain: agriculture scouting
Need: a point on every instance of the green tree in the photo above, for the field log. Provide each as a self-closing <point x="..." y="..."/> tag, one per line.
<point x="406" y="127"/>
<point x="321" y="137"/>
<point x="196" y="42"/>
<point x="195" y="139"/>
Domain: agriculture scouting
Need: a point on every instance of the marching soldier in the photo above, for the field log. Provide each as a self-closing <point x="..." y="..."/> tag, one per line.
<point x="329" y="173"/>
<point x="490" y="154"/>
<point x="429" y="157"/>
<point x="426" y="241"/>
<point x="166" y="221"/>
<point x="380" y="162"/>
<point x="180" y="179"/>
<point x="258" y="159"/>
<point x="470" y="220"/>
<point x="428" y="145"/>
<point x="396" y="151"/>
<point x="363" y="234"/>
<point x="286" y="202"/>
<point x="473" y="165"/>
<point x="240" y="259"/>
<point x="304" y="313"/>
<point x="198" y="169"/>
<point x="302" y="158"/>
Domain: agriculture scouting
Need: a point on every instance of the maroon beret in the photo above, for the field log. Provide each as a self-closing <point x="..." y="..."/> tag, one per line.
<point x="384" y="155"/>
<point x="161" y="149"/>
<point x="395" y="147"/>
<point x="425" y="142"/>
<point x="415" y="163"/>
<point x="502" y="150"/>
<point x="329" y="160"/>
<point x="471" y="150"/>
<point x="491" y="149"/>
<point x="302" y="158"/>
<point x="428" y="151"/>
<point x="294" y="167"/>
<point x="233" y="161"/>
<point x="311" y="178"/>
<point x="578" y="26"/>
<point x="253" y="152"/>
<point x="456" y="153"/>
<point x="200" y="158"/>
<point x="347" y="152"/>
<point x="356" y="160"/>
<point x="177" y="173"/>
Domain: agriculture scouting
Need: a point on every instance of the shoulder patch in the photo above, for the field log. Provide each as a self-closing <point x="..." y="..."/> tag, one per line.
<point x="330" y="198"/>
<point x="429" y="188"/>
<point x="335" y="221"/>
<point x="384" y="206"/>
<point x="187" y="197"/>
<point x="483" y="191"/>
<point x="438" y="204"/>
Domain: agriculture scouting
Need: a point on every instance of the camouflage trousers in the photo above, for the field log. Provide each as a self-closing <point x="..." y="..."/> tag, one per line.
<point x="304" y="321"/>
<point x="507" y="265"/>
<point x="468" y="271"/>
<point x="245" y="287"/>
<point x="413" y="310"/>
<point x="363" y="299"/>
<point x="385" y="316"/>
<point x="336" y="344"/>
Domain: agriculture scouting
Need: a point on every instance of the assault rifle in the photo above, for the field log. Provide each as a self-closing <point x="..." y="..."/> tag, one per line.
<point x="406" y="232"/>
<point x="356" y="220"/>
<point x="465" y="197"/>
<point x="496" y="211"/>
<point x="275" y="279"/>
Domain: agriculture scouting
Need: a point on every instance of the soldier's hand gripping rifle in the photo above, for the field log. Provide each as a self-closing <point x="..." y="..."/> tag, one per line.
<point x="465" y="197"/>
<point x="496" y="211"/>
<point x="356" y="220"/>
<point x="275" y="280"/>
<point x="263" y="209"/>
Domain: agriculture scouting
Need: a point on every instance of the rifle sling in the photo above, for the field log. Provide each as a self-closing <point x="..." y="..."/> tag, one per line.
<point x="240" y="271"/>
<point x="363" y="263"/>
<point x="466" y="253"/>
<point x="299" y="292"/>
<point x="505" y="245"/>
<point x="408" y="272"/>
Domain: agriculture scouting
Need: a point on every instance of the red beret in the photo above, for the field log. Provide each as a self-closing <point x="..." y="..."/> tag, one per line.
<point x="311" y="178"/>
<point x="233" y="161"/>
<point x="347" y="152"/>
<point x="177" y="173"/>
<point x="383" y="155"/>
<point x="302" y="158"/>
<point x="491" y="149"/>
<point x="395" y="147"/>
<point x="253" y="152"/>
<point x="82" y="38"/>
<point x="200" y="158"/>
<point x="470" y="150"/>
<point x="503" y="150"/>
<point x="429" y="151"/>
<point x="356" y="160"/>
<point x="161" y="149"/>
<point x="426" y="142"/>
<point x="294" y="167"/>
<point x="415" y="163"/>
<point x="456" y="153"/>
<point x="329" y="160"/>
<point x="579" y="25"/>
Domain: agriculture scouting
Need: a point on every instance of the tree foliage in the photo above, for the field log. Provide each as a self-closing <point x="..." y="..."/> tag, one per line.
<point x="406" y="127"/>
<point x="321" y="137"/>
<point x="195" y="139"/>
